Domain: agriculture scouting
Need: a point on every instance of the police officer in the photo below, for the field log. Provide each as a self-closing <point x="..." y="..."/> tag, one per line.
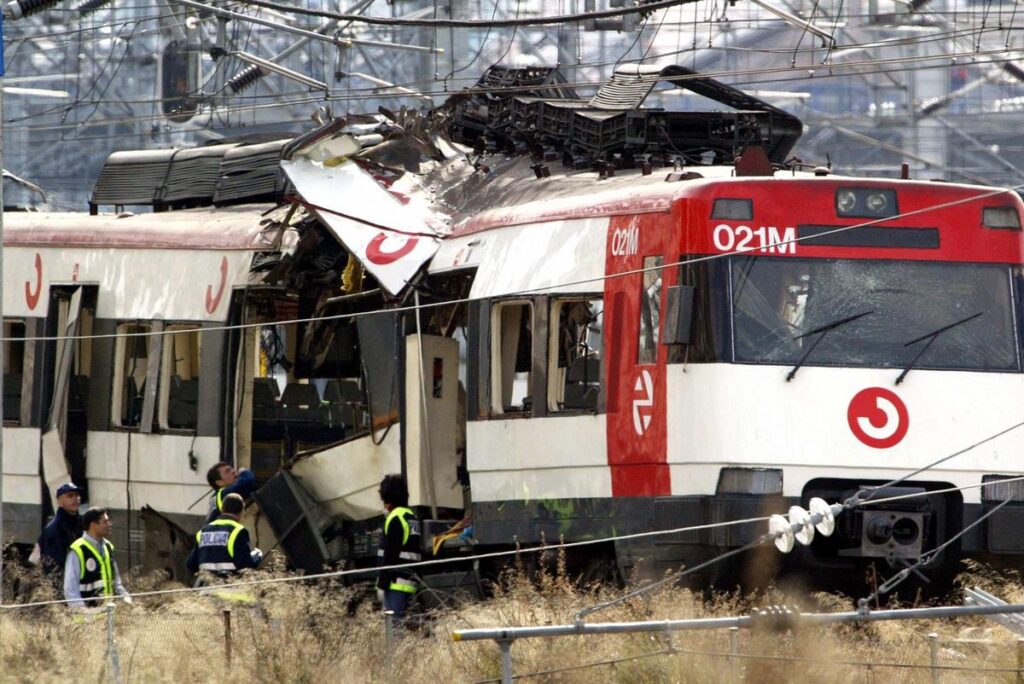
<point x="222" y="546"/>
<point x="224" y="480"/>
<point x="61" y="531"/>
<point x="90" y="572"/>
<point x="400" y="544"/>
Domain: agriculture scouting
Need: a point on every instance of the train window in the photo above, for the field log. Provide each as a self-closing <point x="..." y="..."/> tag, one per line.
<point x="873" y="313"/>
<point x="650" y="310"/>
<point x="710" y="326"/>
<point x="179" y="378"/>
<point x="511" y="357"/>
<point x="574" y="354"/>
<point x="131" y="359"/>
<point x="14" y="363"/>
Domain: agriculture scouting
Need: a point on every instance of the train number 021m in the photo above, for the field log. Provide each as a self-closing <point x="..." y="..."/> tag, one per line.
<point x="746" y="239"/>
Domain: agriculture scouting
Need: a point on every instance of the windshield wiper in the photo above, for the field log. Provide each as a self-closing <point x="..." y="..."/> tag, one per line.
<point x="931" y="337"/>
<point x="821" y="331"/>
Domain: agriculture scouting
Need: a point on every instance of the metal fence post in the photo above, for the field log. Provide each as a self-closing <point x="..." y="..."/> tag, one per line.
<point x="734" y="647"/>
<point x="506" y="660"/>
<point x="389" y="638"/>
<point x="115" y="663"/>
<point x="227" y="635"/>
<point x="1020" y="661"/>
<point x="933" y="655"/>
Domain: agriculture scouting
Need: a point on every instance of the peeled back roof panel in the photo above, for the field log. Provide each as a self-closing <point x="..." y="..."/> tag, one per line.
<point x="628" y="87"/>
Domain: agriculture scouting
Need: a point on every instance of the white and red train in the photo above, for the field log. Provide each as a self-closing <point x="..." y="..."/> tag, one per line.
<point x="595" y="356"/>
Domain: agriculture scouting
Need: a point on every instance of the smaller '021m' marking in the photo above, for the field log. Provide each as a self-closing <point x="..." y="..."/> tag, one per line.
<point x="766" y="239"/>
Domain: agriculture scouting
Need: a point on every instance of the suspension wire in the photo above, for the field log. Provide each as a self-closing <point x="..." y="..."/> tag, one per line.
<point x="534" y="549"/>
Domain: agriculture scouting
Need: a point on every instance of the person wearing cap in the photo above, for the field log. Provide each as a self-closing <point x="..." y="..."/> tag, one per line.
<point x="90" y="572"/>
<point x="224" y="480"/>
<point x="222" y="546"/>
<point x="63" y="529"/>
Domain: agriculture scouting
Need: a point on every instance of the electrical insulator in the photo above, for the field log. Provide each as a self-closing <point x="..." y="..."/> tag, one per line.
<point x="26" y="8"/>
<point x="245" y="78"/>
<point x="90" y="5"/>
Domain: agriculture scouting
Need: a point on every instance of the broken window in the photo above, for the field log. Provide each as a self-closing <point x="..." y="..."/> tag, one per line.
<point x="574" y="375"/>
<point x="131" y="363"/>
<point x="650" y="310"/>
<point x="14" y="363"/>
<point x="512" y="357"/>
<point x="179" y="373"/>
<point x="873" y="313"/>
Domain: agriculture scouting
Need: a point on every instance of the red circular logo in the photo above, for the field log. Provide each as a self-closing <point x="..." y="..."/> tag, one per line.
<point x="878" y="417"/>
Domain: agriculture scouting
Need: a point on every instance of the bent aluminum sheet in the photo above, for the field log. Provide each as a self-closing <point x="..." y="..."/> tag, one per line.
<point x="391" y="231"/>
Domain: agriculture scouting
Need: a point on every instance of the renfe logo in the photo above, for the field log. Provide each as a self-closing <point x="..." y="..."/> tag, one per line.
<point x="642" y="402"/>
<point x="878" y="417"/>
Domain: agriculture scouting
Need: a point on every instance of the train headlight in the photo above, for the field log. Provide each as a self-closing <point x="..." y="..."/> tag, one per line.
<point x="846" y="201"/>
<point x="866" y="202"/>
<point x="876" y="202"/>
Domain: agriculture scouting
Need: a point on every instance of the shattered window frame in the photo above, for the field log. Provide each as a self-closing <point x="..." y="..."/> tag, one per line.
<point x="13" y="342"/>
<point x="590" y="341"/>
<point x="516" y="380"/>
<point x="191" y="333"/>
<point x="128" y="337"/>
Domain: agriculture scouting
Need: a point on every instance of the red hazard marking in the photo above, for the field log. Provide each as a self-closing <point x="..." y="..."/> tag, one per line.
<point x="213" y="300"/>
<point x="382" y="258"/>
<point x="878" y="417"/>
<point x="32" y="298"/>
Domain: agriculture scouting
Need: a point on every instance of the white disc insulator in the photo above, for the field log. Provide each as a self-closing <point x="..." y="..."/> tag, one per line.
<point x="827" y="521"/>
<point x="798" y="516"/>
<point x="784" y="539"/>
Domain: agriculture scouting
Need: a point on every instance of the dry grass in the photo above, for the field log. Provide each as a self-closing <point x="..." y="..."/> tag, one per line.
<point x="299" y="632"/>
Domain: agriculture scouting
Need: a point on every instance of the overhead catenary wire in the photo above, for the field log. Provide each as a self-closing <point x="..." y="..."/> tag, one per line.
<point x="472" y="23"/>
<point x="375" y="93"/>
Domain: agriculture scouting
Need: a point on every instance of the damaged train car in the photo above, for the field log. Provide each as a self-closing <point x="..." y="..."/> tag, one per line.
<point x="562" y="318"/>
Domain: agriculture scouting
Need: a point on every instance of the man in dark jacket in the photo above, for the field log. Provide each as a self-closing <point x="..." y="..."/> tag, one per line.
<point x="222" y="546"/>
<point x="399" y="545"/>
<point x="224" y="480"/>
<point x="61" y="531"/>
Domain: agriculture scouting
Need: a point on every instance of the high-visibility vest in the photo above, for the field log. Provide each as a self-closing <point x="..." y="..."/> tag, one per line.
<point x="96" y="570"/>
<point x="404" y="579"/>
<point x="217" y="545"/>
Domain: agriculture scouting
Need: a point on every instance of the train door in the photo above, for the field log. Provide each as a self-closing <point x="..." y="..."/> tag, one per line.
<point x="638" y="275"/>
<point x="69" y="358"/>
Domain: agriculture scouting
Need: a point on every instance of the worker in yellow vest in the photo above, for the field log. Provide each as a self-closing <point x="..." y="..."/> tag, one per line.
<point x="399" y="544"/>
<point x="90" y="571"/>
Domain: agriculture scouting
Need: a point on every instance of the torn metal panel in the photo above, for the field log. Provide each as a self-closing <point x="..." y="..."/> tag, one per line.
<point x="385" y="219"/>
<point x="306" y="535"/>
<point x="391" y="235"/>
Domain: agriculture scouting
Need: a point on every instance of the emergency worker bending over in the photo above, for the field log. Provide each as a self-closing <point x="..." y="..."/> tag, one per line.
<point x="222" y="546"/>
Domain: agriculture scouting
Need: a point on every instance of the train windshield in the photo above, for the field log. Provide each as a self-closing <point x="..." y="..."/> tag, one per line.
<point x="873" y="313"/>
